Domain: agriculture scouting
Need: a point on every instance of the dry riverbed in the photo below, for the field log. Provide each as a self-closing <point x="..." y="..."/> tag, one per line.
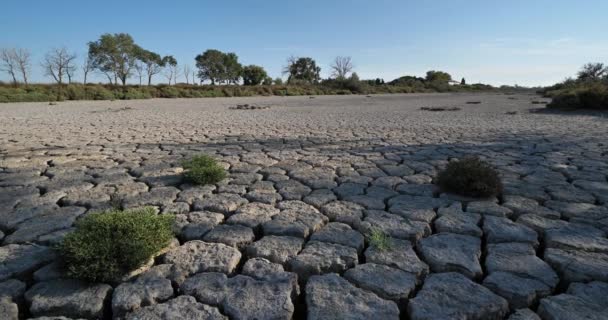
<point x="284" y="237"/>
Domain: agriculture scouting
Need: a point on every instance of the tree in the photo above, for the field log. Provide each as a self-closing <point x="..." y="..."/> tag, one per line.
<point x="152" y="63"/>
<point x="233" y="68"/>
<point x="278" y="81"/>
<point x="139" y="69"/>
<point x="171" y="69"/>
<point x="9" y="63"/>
<point x="187" y="71"/>
<point x="218" y="67"/>
<point x="87" y="67"/>
<point x="115" y="53"/>
<point x="267" y="81"/>
<point x="341" y="67"/>
<point x="592" y="72"/>
<point x="70" y="71"/>
<point x="22" y="57"/>
<point x="303" y="69"/>
<point x="463" y="82"/>
<point x="253" y="75"/>
<point x="57" y="63"/>
<point x="438" y="76"/>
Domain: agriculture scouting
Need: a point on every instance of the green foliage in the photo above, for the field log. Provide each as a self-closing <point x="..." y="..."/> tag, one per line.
<point x="107" y="245"/>
<point x="303" y="69"/>
<point x="438" y="76"/>
<point x="254" y="75"/>
<point x="470" y="177"/>
<point x="203" y="170"/>
<point x="90" y="91"/>
<point x="380" y="240"/>
<point x="592" y="97"/>
<point x="592" y="72"/>
<point x="169" y="92"/>
<point x="114" y="53"/>
<point x="278" y="82"/>
<point x="136" y="93"/>
<point x="218" y="67"/>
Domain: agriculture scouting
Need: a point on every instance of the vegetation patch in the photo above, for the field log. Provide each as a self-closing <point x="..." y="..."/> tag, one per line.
<point x="470" y="177"/>
<point x="107" y="245"/>
<point x="203" y="170"/>
<point x="380" y="240"/>
<point x="589" y="90"/>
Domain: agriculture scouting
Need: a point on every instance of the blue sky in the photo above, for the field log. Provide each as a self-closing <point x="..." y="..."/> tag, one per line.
<point x="526" y="42"/>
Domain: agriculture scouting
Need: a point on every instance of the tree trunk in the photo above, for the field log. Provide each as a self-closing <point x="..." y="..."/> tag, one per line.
<point x="14" y="78"/>
<point x="24" y="77"/>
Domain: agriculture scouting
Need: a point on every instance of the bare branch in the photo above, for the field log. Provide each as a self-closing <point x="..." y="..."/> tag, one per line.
<point x="8" y="63"/>
<point x="58" y="63"/>
<point x="341" y="67"/>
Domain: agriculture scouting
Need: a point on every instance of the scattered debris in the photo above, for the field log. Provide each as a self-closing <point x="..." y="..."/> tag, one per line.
<point x="512" y="98"/>
<point x="52" y="103"/>
<point x="473" y="102"/>
<point x="113" y="110"/>
<point x="511" y="112"/>
<point x="538" y="102"/>
<point x="311" y="97"/>
<point x="440" y="109"/>
<point x="249" y="107"/>
<point x="368" y="96"/>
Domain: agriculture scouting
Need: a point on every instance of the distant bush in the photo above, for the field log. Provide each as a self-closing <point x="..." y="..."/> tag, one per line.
<point x="136" y="93"/>
<point x="470" y="177"/>
<point x="203" y="170"/>
<point x="594" y="98"/>
<point x="107" y="245"/>
<point x="169" y="92"/>
<point x="352" y="85"/>
<point x="99" y="93"/>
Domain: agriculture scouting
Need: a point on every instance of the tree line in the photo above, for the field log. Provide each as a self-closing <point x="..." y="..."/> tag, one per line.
<point x="118" y="58"/>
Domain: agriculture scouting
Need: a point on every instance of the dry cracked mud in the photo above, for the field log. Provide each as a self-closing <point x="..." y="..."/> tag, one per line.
<point x="285" y="235"/>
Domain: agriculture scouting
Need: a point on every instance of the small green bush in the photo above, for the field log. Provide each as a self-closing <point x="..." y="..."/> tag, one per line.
<point x="203" y="170"/>
<point x="107" y="245"/>
<point x="470" y="177"/>
<point x="380" y="240"/>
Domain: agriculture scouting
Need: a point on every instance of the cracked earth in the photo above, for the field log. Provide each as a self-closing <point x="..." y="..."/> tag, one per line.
<point x="285" y="235"/>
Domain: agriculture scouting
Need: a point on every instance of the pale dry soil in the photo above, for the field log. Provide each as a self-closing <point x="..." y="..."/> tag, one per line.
<point x="286" y="235"/>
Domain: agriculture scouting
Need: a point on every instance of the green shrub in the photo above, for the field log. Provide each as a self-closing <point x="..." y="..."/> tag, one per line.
<point x="137" y="93"/>
<point x="169" y="92"/>
<point x="107" y="245"/>
<point x="470" y="177"/>
<point x="98" y="93"/>
<point x="380" y="240"/>
<point x="203" y="170"/>
<point x="594" y="98"/>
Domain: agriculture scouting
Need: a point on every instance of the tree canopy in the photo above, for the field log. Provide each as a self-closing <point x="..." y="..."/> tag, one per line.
<point x="592" y="72"/>
<point x="254" y="75"/>
<point x="114" y="54"/>
<point x="302" y="69"/>
<point x="438" y="76"/>
<point x="218" y="67"/>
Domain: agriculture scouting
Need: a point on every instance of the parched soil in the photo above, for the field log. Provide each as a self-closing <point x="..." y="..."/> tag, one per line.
<point x="287" y="234"/>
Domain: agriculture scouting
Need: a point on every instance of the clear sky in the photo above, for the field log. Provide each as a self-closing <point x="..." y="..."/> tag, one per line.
<point x="525" y="42"/>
